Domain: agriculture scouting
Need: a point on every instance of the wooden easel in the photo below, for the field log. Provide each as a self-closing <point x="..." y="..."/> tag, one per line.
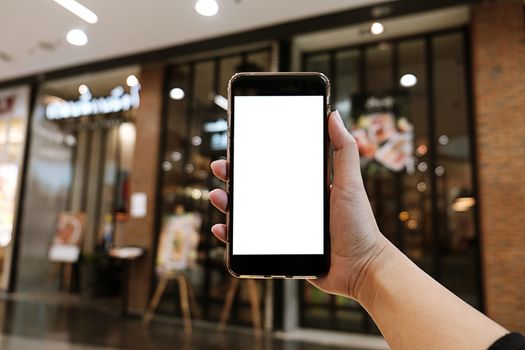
<point x="186" y="294"/>
<point x="254" y="303"/>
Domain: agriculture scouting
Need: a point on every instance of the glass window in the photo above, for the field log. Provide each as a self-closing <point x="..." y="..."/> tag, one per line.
<point x="414" y="219"/>
<point x="458" y="266"/>
<point x="439" y="232"/>
<point x="346" y="83"/>
<point x="378" y="60"/>
<point x="196" y="135"/>
<point x="318" y="63"/>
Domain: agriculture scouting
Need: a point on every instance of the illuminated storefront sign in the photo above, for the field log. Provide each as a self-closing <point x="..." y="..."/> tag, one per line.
<point x="87" y="105"/>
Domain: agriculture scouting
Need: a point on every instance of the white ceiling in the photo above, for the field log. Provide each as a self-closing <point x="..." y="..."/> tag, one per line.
<point x="32" y="32"/>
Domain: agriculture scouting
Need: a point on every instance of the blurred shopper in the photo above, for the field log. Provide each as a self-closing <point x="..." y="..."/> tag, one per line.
<point x="411" y="309"/>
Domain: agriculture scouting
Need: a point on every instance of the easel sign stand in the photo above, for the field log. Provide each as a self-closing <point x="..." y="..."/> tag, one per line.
<point x="176" y="254"/>
<point x="65" y="249"/>
<point x="186" y="297"/>
<point x="253" y="294"/>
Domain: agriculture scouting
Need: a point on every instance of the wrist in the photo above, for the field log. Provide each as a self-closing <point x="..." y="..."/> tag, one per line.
<point x="369" y="279"/>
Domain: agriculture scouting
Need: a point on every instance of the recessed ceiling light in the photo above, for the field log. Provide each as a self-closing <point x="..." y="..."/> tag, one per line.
<point x="408" y="80"/>
<point x="83" y="89"/>
<point x="377" y="28"/>
<point x="77" y="37"/>
<point x="207" y="7"/>
<point x="177" y="93"/>
<point x="79" y="10"/>
<point x="132" y="81"/>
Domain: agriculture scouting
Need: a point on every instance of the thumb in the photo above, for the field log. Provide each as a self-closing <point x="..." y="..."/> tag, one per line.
<point x="347" y="171"/>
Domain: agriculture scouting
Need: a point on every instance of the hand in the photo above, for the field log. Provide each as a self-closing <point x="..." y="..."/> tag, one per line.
<point x="355" y="238"/>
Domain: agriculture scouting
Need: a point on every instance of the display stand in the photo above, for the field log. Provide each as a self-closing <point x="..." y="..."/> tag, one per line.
<point x="254" y="303"/>
<point x="186" y="295"/>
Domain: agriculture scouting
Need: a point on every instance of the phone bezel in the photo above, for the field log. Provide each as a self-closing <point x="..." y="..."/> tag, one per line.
<point x="278" y="266"/>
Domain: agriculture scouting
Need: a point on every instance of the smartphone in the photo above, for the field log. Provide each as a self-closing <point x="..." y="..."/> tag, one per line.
<point x="278" y="185"/>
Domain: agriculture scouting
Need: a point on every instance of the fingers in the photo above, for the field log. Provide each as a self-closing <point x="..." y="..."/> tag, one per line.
<point x="219" y="230"/>
<point x="220" y="169"/>
<point x="346" y="156"/>
<point x="219" y="199"/>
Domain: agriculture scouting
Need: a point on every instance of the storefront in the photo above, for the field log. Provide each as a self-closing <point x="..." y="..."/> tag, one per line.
<point x="76" y="197"/>
<point x="196" y="135"/>
<point x="424" y="206"/>
<point x="406" y="92"/>
<point x="409" y="93"/>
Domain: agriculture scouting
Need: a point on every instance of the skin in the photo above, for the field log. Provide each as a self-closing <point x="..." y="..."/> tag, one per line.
<point x="411" y="309"/>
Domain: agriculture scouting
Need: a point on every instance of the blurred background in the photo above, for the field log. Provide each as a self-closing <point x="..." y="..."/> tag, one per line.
<point x="111" y="112"/>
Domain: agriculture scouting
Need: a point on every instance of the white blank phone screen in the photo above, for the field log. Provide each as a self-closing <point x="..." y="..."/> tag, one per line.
<point x="278" y="175"/>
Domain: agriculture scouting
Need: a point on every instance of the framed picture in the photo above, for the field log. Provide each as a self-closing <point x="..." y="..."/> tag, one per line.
<point x="178" y="242"/>
<point x="68" y="237"/>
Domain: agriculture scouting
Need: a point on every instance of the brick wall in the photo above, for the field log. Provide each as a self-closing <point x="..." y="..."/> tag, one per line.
<point x="498" y="53"/>
<point x="139" y="231"/>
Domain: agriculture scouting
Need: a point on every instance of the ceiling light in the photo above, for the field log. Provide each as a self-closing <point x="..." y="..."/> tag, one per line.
<point x="132" y="81"/>
<point x="77" y="37"/>
<point x="408" y="80"/>
<point x="177" y="93"/>
<point x="83" y="89"/>
<point x="207" y="7"/>
<point x="79" y="10"/>
<point x="377" y="28"/>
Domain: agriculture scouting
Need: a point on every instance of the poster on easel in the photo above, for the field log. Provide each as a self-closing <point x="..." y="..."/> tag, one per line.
<point x="68" y="238"/>
<point x="383" y="131"/>
<point x="179" y="239"/>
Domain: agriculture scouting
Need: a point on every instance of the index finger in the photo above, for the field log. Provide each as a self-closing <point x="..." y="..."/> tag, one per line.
<point x="220" y="169"/>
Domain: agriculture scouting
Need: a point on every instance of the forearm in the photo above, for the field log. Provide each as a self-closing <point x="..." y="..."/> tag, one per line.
<point x="413" y="311"/>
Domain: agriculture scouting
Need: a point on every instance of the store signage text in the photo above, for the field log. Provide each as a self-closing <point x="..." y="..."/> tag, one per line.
<point x="86" y="105"/>
<point x="386" y="102"/>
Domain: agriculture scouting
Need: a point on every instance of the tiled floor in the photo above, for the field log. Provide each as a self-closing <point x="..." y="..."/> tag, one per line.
<point x="36" y="322"/>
